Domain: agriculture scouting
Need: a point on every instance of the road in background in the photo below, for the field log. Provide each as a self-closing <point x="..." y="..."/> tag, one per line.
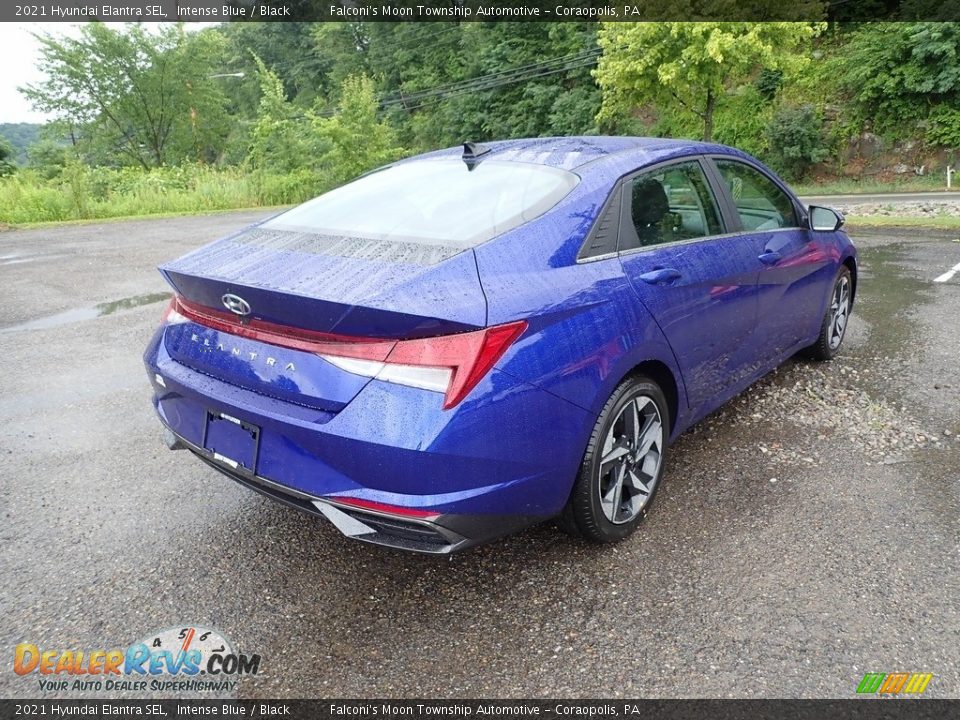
<point x="805" y="534"/>
<point x="883" y="198"/>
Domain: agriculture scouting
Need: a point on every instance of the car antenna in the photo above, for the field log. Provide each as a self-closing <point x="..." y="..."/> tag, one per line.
<point x="473" y="152"/>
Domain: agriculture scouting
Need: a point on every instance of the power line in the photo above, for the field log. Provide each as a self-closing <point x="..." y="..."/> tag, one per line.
<point x="509" y="72"/>
<point x="491" y="81"/>
<point x="510" y="81"/>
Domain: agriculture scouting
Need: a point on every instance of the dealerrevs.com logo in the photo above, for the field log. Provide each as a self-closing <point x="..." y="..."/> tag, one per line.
<point x="178" y="659"/>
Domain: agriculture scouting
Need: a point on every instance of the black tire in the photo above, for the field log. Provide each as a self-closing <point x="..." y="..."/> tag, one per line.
<point x="584" y="515"/>
<point x="827" y="344"/>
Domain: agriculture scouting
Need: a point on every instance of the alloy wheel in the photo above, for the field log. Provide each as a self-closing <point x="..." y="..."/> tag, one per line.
<point x="839" y="312"/>
<point x="630" y="464"/>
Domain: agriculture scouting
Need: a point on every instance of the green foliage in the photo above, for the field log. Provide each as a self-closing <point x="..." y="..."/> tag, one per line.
<point x="443" y="83"/>
<point x="81" y="192"/>
<point x="741" y="120"/>
<point x="893" y="73"/>
<point x="358" y="140"/>
<point x="287" y="48"/>
<point x="7" y="166"/>
<point x="768" y="82"/>
<point x="280" y="141"/>
<point x="20" y="136"/>
<point x="795" y="141"/>
<point x="48" y="157"/>
<point x="943" y="126"/>
<point x="136" y="96"/>
<point x="687" y="67"/>
<point x="335" y="149"/>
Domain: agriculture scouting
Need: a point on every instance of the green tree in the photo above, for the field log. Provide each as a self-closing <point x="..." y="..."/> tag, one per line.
<point x="553" y="99"/>
<point x="687" y="67"/>
<point x="21" y="136"/>
<point x="282" y="139"/>
<point x="359" y="141"/>
<point x="48" y="157"/>
<point x="7" y="166"/>
<point x="892" y="74"/>
<point x="136" y="96"/>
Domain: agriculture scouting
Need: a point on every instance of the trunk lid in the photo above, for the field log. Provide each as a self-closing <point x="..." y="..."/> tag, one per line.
<point x="321" y="284"/>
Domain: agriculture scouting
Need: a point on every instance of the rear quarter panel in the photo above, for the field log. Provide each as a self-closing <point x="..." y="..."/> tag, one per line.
<point x="587" y="330"/>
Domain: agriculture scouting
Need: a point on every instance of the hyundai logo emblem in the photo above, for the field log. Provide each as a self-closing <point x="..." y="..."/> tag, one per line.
<point x="235" y="304"/>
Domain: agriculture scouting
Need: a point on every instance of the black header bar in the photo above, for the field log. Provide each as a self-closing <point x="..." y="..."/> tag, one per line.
<point x="476" y="10"/>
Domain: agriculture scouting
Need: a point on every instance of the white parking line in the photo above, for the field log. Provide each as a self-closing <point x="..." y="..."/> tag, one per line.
<point x="948" y="274"/>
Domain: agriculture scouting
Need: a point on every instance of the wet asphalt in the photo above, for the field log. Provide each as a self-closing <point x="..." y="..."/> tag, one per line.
<point x="805" y="534"/>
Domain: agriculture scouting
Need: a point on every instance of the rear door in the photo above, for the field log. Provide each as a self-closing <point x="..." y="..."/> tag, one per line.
<point x="696" y="278"/>
<point x="796" y="267"/>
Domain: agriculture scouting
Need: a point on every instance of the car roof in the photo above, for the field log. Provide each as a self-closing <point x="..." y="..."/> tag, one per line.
<point x="570" y="153"/>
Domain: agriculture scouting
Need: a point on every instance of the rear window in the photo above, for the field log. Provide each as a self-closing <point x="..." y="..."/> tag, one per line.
<point x="433" y="202"/>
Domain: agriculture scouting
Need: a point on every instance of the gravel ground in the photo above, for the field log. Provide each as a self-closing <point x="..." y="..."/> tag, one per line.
<point x="806" y="533"/>
<point x="903" y="209"/>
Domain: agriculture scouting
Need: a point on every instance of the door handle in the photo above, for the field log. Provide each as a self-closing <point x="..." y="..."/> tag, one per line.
<point x="661" y="276"/>
<point x="769" y="257"/>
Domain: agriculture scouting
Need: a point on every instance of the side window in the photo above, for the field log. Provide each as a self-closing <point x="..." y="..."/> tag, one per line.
<point x="761" y="205"/>
<point x="666" y="205"/>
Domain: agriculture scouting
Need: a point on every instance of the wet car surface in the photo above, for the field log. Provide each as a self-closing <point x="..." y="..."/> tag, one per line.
<point x="805" y="534"/>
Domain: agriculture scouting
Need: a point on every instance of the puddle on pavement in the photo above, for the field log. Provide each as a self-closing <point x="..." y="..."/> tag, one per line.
<point x="889" y="302"/>
<point x="88" y="313"/>
<point x="20" y="258"/>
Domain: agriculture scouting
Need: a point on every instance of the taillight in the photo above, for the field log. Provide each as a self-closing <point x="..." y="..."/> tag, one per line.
<point x="172" y="314"/>
<point x="451" y="364"/>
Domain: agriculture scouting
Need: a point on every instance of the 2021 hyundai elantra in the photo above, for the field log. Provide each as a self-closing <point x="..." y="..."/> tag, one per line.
<point x="470" y="341"/>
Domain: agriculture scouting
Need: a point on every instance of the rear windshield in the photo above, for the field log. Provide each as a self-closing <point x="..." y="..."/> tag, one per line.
<point x="433" y="202"/>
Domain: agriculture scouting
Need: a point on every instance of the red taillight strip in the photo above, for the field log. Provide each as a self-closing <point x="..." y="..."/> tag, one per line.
<point x="286" y="336"/>
<point x="468" y="355"/>
<point x="361" y="504"/>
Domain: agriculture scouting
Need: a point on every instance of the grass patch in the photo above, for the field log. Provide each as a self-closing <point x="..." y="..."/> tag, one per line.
<point x="935" y="221"/>
<point x="127" y="218"/>
<point x="914" y="183"/>
<point x="80" y="193"/>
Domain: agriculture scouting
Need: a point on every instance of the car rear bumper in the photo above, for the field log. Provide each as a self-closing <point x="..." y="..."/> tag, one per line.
<point x="438" y="535"/>
<point x="432" y="481"/>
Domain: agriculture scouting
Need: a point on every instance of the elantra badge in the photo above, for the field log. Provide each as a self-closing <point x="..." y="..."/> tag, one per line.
<point x="235" y="304"/>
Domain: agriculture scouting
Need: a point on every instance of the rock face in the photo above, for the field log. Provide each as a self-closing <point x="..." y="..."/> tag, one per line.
<point x="868" y="156"/>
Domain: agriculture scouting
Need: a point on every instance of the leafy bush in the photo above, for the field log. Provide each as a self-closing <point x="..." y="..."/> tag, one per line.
<point x="893" y="72"/>
<point x="357" y="141"/>
<point x="768" y="82"/>
<point x="7" y="165"/>
<point x="795" y="140"/>
<point x="742" y="119"/>
<point x="48" y="157"/>
<point x="943" y="126"/>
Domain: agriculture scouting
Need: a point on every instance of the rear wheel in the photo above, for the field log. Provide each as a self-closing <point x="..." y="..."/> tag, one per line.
<point x="622" y="466"/>
<point x="834" y="326"/>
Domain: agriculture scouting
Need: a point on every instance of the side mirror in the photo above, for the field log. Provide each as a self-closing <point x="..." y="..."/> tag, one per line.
<point x="824" y="219"/>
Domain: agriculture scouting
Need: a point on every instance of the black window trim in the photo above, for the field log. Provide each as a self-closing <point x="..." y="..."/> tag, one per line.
<point x="611" y="204"/>
<point x="800" y="212"/>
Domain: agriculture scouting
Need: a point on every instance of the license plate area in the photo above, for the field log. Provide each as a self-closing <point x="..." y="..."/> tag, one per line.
<point x="231" y="441"/>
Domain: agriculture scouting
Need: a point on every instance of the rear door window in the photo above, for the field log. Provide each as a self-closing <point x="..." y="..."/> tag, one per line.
<point x="760" y="202"/>
<point x="667" y="205"/>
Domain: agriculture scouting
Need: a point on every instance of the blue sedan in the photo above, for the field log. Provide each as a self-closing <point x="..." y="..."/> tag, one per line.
<point x="471" y="341"/>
